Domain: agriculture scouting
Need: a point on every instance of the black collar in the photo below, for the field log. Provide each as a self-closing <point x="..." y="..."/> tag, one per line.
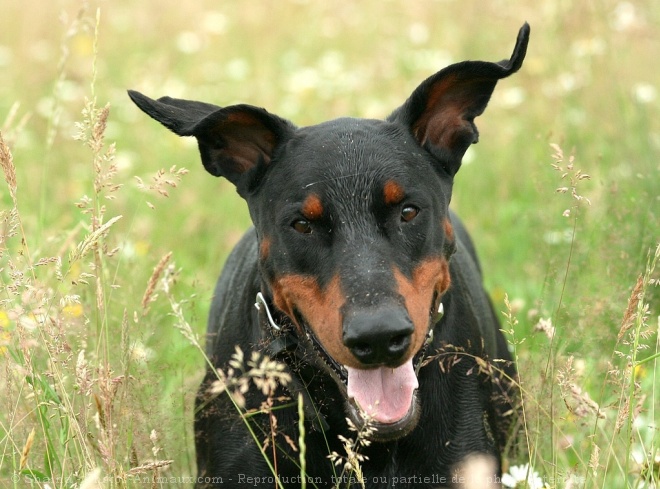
<point x="285" y="345"/>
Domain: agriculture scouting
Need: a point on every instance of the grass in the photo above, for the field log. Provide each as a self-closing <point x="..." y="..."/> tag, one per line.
<point x="97" y="379"/>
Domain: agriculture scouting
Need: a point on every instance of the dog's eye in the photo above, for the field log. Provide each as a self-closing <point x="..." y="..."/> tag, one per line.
<point x="302" y="226"/>
<point x="408" y="213"/>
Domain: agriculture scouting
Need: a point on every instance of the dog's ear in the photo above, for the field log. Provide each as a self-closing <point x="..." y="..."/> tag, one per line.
<point x="234" y="142"/>
<point x="440" y="112"/>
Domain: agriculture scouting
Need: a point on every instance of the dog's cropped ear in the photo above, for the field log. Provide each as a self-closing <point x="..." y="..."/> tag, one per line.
<point x="234" y="142"/>
<point x="179" y="116"/>
<point x="440" y="112"/>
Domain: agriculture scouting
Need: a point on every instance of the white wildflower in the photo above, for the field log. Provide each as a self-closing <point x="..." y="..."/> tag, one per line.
<point x="522" y="477"/>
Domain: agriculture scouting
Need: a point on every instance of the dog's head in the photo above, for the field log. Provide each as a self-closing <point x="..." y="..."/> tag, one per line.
<point x="352" y="219"/>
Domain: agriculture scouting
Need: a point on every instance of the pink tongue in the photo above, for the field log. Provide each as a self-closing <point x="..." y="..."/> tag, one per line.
<point x="383" y="392"/>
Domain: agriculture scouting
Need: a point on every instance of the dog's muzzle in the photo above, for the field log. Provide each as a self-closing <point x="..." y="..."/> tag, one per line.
<point x="385" y="398"/>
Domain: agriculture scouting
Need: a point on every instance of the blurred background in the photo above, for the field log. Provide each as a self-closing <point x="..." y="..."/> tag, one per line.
<point x="590" y="85"/>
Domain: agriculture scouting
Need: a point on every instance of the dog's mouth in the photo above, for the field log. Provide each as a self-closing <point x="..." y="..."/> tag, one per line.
<point x="382" y="398"/>
<point x="384" y="393"/>
<point x="385" y="398"/>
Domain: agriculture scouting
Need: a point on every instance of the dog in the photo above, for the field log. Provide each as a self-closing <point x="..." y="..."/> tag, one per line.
<point x="368" y="290"/>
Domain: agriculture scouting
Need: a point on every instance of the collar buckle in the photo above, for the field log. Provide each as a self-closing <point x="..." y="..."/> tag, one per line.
<point x="260" y="302"/>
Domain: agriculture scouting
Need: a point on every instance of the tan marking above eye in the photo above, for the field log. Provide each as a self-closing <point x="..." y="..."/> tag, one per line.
<point x="312" y="208"/>
<point x="393" y="193"/>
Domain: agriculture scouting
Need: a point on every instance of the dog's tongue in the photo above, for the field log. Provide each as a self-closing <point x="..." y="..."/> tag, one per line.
<point x="384" y="392"/>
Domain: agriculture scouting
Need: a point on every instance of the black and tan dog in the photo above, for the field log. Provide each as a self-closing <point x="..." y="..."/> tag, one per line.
<point x="354" y="252"/>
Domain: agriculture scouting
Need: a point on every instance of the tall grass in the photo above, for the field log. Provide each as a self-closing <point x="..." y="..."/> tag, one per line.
<point x="107" y="261"/>
<point x="73" y="354"/>
<point x="616" y="443"/>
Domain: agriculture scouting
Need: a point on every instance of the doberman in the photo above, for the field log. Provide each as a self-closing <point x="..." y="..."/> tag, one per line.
<point x="367" y="288"/>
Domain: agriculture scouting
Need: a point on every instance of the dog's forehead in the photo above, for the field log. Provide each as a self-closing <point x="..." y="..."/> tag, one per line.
<point x="348" y="151"/>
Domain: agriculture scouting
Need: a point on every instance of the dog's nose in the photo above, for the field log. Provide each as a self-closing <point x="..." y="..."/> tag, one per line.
<point x="379" y="337"/>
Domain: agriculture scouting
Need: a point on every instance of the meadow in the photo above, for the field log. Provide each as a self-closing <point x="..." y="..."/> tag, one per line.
<point x="112" y="234"/>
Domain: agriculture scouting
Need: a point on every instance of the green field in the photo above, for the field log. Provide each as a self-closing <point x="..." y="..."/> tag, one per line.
<point x="98" y="369"/>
